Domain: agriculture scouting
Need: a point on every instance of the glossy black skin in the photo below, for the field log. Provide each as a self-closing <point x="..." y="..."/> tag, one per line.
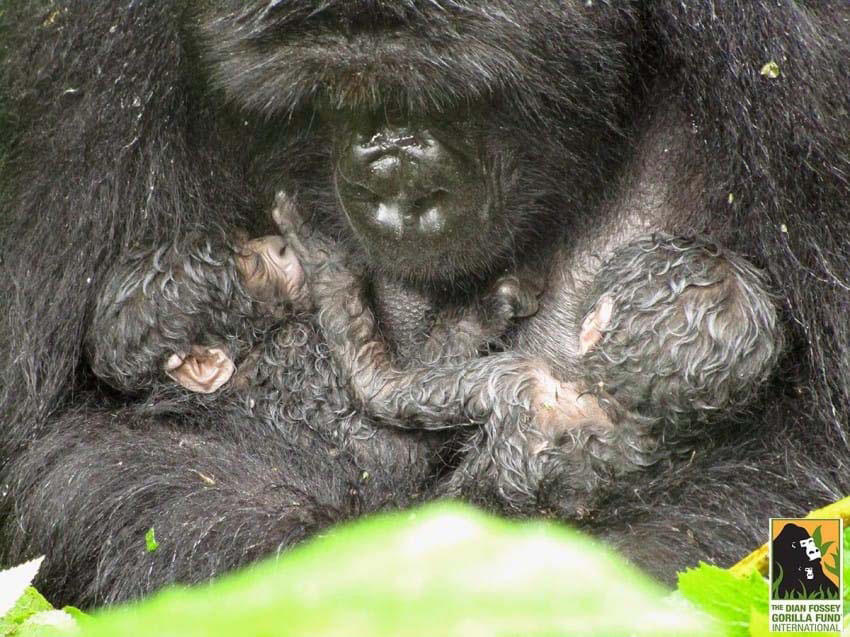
<point x="589" y="125"/>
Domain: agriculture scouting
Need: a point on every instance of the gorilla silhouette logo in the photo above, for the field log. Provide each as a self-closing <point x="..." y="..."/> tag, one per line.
<point x="797" y="569"/>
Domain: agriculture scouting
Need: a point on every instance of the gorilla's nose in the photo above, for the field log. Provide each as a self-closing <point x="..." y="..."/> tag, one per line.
<point x="401" y="182"/>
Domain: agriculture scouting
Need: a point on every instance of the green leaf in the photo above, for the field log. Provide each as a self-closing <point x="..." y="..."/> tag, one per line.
<point x="76" y="613"/>
<point x="816" y="536"/>
<point x="14" y="583"/>
<point x="727" y="597"/>
<point x="30" y="603"/>
<point x="49" y="623"/>
<point x="442" y="570"/>
<point x="825" y="548"/>
<point x="150" y="541"/>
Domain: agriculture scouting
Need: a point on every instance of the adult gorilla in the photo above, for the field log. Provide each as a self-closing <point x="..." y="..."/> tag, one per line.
<point x="545" y="135"/>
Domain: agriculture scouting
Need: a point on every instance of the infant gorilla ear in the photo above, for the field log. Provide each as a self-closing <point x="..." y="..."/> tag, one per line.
<point x="595" y="323"/>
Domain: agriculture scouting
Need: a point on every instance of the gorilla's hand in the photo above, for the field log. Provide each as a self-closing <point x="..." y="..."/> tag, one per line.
<point x="514" y="295"/>
<point x="310" y="248"/>
<point x="459" y="334"/>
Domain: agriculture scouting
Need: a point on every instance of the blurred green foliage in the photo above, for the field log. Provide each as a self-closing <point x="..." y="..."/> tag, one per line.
<point x="441" y="570"/>
<point x="444" y="569"/>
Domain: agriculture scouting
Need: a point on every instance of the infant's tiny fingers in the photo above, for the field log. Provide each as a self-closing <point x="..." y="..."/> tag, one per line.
<point x="525" y="304"/>
<point x="174" y="361"/>
<point x="262" y="245"/>
<point x="285" y="212"/>
<point x="521" y="301"/>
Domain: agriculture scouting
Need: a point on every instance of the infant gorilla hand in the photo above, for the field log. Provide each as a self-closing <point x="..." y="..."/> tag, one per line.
<point x="271" y="274"/>
<point x="558" y="406"/>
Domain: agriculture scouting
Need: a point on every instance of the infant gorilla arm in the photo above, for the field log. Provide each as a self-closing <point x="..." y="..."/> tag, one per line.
<point x="676" y="331"/>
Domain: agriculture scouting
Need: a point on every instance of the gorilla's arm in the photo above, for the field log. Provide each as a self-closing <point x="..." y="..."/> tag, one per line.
<point x="89" y="491"/>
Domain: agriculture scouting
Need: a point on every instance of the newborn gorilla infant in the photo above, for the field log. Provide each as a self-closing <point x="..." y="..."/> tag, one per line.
<point x="192" y="314"/>
<point x="700" y="315"/>
<point x="677" y="333"/>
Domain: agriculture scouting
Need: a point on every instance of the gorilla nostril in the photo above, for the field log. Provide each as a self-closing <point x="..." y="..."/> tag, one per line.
<point x="433" y="222"/>
<point x="389" y="217"/>
<point x="435" y="199"/>
<point x="430" y="211"/>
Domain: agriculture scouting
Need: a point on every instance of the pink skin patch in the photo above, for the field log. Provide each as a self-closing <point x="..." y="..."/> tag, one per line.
<point x="594" y="325"/>
<point x="560" y="406"/>
<point x="271" y="272"/>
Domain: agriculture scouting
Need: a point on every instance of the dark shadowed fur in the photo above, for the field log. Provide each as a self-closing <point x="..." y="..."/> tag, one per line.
<point x="139" y="124"/>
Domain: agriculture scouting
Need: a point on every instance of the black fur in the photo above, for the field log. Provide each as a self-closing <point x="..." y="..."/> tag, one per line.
<point x="138" y="124"/>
